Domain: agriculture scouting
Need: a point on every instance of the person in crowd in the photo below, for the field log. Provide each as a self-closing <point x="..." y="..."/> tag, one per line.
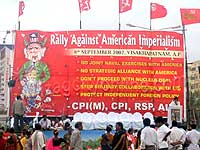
<point x="149" y="138"/>
<point x="38" y="139"/>
<point x="57" y="124"/>
<point x="175" y="102"/>
<point x="64" y="119"/>
<point x="67" y="135"/>
<point x="29" y="143"/>
<point x="55" y="142"/>
<point x="18" y="112"/>
<point x="11" y="139"/>
<point x="163" y="132"/>
<point x="193" y="137"/>
<point x="35" y="120"/>
<point x="76" y="142"/>
<point x="120" y="141"/>
<point x="2" y="140"/>
<point x="107" y="138"/>
<point x="23" y="139"/>
<point x="67" y="127"/>
<point x="45" y="123"/>
<point x="6" y="133"/>
<point x="131" y="138"/>
<point x="138" y="140"/>
<point x="176" y="137"/>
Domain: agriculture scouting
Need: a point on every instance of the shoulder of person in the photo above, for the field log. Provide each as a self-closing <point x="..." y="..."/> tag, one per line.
<point x="40" y="133"/>
<point x="152" y="129"/>
<point x="164" y="127"/>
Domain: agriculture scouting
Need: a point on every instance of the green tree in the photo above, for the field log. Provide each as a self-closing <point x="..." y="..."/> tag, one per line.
<point x="195" y="107"/>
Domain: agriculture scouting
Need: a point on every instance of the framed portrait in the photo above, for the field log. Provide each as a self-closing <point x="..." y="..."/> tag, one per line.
<point x="174" y="113"/>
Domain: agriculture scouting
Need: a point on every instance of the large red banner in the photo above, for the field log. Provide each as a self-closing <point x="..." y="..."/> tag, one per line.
<point x="90" y="71"/>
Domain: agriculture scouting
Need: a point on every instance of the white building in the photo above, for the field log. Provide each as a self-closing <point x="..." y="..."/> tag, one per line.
<point x="6" y="63"/>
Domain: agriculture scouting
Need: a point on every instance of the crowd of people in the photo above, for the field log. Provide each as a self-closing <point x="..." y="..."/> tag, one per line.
<point x="156" y="136"/>
<point x="150" y="137"/>
<point x="34" y="139"/>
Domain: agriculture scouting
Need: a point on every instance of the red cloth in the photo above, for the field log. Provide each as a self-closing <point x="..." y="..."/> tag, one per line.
<point x="13" y="144"/>
<point x="125" y="5"/>
<point x="131" y="138"/>
<point x="84" y="5"/>
<point x="3" y="143"/>
<point x="157" y="11"/>
<point x="49" y="145"/>
<point x="21" y="8"/>
<point x="190" y="16"/>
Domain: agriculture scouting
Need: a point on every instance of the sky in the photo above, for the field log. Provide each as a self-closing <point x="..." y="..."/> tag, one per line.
<point x="62" y="15"/>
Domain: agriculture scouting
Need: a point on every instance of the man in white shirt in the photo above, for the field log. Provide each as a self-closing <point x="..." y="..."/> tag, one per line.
<point x="45" y="123"/>
<point x="176" y="137"/>
<point x="163" y="132"/>
<point x="149" y="139"/>
<point x="193" y="136"/>
<point x="76" y="141"/>
<point x="175" y="102"/>
<point x="38" y="139"/>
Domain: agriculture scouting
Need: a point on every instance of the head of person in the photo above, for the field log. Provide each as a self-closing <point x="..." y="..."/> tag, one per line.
<point x="79" y="125"/>
<point x="193" y="126"/>
<point x="35" y="47"/>
<point x="7" y="129"/>
<point x="174" y="123"/>
<point x="63" y="117"/>
<point x="23" y="133"/>
<point x="67" y="126"/>
<point x="28" y="133"/>
<point x="130" y="130"/>
<point x="175" y="100"/>
<point x="57" y="120"/>
<point x="45" y="117"/>
<point x="11" y="130"/>
<point x="146" y="122"/>
<point x="159" y="121"/>
<point x="119" y="126"/>
<point x="1" y="133"/>
<point x="38" y="126"/>
<point x="135" y="131"/>
<point x="18" y="97"/>
<point x="109" y="128"/>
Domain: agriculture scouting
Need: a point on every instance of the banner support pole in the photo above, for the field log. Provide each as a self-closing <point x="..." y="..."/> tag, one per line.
<point x="187" y="98"/>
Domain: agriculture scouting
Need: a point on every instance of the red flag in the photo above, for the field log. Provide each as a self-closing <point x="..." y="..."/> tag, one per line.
<point x="84" y="5"/>
<point x="125" y="5"/>
<point x="190" y="16"/>
<point x="21" y="8"/>
<point x="158" y="11"/>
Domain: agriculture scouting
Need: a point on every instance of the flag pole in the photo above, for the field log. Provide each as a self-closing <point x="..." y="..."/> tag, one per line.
<point x="18" y="19"/>
<point x="20" y="12"/>
<point x="119" y="17"/>
<point x="150" y="17"/>
<point x="186" y="78"/>
<point x="119" y="22"/>
<point x="80" y="21"/>
<point x="19" y="24"/>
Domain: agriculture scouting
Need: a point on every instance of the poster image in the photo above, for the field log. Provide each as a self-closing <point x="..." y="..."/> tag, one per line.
<point x="175" y="114"/>
<point x="91" y="71"/>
